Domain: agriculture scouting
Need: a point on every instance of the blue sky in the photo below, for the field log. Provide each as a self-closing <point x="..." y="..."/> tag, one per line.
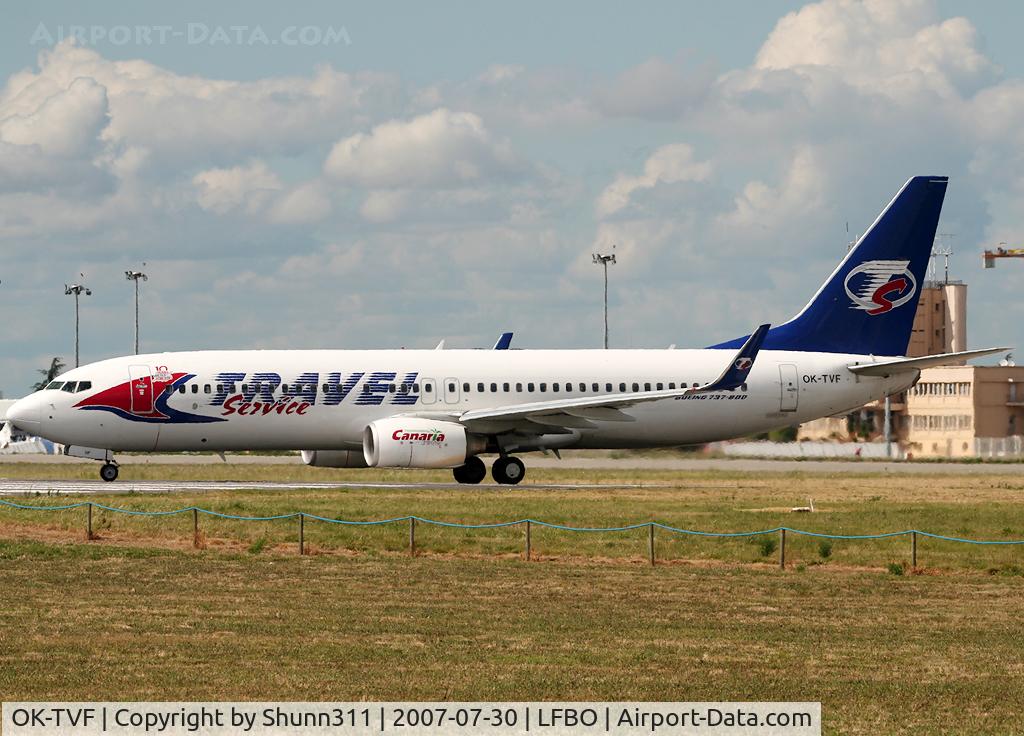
<point x="446" y="171"/>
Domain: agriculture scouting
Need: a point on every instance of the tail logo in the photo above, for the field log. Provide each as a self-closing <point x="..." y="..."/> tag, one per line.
<point x="743" y="364"/>
<point x="877" y="287"/>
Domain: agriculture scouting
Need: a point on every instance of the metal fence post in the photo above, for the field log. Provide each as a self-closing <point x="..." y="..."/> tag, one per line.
<point x="782" y="548"/>
<point x="88" y="523"/>
<point x="528" y="550"/>
<point x="913" y="549"/>
<point x="412" y="536"/>
<point x="302" y="533"/>
<point x="650" y="542"/>
<point x="195" y="527"/>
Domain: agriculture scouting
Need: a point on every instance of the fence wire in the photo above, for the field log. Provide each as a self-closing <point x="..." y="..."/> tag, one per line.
<point x="502" y="524"/>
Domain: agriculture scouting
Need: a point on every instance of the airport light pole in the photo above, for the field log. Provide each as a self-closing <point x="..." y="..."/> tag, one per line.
<point x="604" y="261"/>
<point x="76" y="290"/>
<point x="135" y="276"/>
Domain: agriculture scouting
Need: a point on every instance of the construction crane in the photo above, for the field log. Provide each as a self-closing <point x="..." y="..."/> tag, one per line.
<point x="989" y="257"/>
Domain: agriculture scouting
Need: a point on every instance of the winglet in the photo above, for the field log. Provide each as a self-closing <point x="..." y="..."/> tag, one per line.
<point x="504" y="341"/>
<point x="736" y="374"/>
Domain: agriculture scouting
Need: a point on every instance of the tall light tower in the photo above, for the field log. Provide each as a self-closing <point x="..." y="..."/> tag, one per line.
<point x="135" y="276"/>
<point x="76" y="290"/>
<point x="604" y="261"/>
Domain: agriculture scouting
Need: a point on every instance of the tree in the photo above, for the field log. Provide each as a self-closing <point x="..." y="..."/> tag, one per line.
<point x="56" y="366"/>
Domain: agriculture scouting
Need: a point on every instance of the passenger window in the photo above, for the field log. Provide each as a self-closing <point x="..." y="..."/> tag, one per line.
<point x="494" y="388"/>
<point x="195" y="388"/>
<point x="480" y="387"/>
<point x="392" y="388"/>
<point x="554" y="387"/>
<point x="83" y="386"/>
<point x="519" y="388"/>
<point x="245" y="388"/>
<point x="622" y="388"/>
<point x="636" y="387"/>
<point x="743" y="387"/>
<point x="181" y="389"/>
<point x="583" y="387"/>
<point x="661" y="386"/>
<point x="647" y="387"/>
<point x="54" y="385"/>
<point x="366" y="388"/>
<point x="465" y="388"/>
<point x="284" y="387"/>
<point x="608" y="387"/>
<point x="70" y="387"/>
<point x="505" y="387"/>
<point x="206" y="388"/>
<point x="671" y="385"/>
<point x="529" y="387"/>
<point x="451" y="388"/>
<point x="543" y="387"/>
<point x="415" y="388"/>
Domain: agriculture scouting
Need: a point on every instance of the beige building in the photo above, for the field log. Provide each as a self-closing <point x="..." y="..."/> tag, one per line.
<point x="966" y="411"/>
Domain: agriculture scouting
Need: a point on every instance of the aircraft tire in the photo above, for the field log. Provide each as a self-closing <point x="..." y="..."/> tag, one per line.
<point x="472" y="472"/>
<point x="108" y="472"/>
<point x="508" y="471"/>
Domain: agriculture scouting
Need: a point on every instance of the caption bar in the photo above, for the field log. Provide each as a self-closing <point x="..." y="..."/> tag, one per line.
<point x="414" y="719"/>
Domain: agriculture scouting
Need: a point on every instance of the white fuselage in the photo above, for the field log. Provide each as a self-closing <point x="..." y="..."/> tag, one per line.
<point x="233" y="400"/>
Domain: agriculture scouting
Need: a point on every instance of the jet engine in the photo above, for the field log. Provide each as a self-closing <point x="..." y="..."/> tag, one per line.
<point x="418" y="443"/>
<point x="334" y="458"/>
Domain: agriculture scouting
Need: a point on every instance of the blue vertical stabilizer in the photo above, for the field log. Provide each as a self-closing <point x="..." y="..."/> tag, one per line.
<point x="867" y="305"/>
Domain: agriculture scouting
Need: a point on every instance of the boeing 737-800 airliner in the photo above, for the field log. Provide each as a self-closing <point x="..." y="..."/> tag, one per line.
<point x="443" y="408"/>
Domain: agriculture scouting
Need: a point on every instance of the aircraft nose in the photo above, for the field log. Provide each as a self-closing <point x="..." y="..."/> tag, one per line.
<point x="25" y="414"/>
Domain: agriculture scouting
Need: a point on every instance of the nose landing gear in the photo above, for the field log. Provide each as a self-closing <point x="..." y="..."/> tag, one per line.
<point x="108" y="472"/>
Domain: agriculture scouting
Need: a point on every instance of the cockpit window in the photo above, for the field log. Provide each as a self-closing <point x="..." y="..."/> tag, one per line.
<point x="54" y="385"/>
<point x="83" y="386"/>
<point x="70" y="386"/>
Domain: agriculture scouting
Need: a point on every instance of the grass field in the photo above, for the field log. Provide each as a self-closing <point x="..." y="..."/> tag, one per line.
<point x="138" y="614"/>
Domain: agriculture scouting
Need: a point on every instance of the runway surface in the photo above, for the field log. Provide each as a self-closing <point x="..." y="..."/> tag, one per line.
<point x="98" y="487"/>
<point x="592" y="460"/>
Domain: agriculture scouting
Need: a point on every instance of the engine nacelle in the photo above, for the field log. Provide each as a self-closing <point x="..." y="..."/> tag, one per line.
<point x="334" y="458"/>
<point x="418" y="443"/>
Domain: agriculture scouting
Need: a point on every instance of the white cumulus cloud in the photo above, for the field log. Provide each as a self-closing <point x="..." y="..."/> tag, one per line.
<point x="667" y="165"/>
<point x="441" y="148"/>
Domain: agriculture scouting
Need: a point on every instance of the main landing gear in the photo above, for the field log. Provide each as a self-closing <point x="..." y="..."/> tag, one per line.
<point x="506" y="470"/>
<point x="108" y="472"/>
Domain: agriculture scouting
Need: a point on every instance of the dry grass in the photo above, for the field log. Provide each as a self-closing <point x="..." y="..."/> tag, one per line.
<point x="884" y="654"/>
<point x="138" y="614"/>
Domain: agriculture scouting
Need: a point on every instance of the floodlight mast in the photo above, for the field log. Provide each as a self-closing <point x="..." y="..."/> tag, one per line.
<point x="135" y="276"/>
<point x="76" y="290"/>
<point x="604" y="260"/>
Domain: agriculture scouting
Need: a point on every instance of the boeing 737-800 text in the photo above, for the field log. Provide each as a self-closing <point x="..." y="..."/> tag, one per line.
<point x="443" y="408"/>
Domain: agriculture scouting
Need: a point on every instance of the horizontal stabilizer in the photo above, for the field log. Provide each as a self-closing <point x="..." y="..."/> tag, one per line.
<point x="903" y="365"/>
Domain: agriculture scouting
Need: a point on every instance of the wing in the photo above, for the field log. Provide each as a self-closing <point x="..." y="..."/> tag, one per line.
<point x="578" y="413"/>
<point x="905" y="365"/>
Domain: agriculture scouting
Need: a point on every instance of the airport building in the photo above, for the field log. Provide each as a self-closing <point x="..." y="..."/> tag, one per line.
<point x="953" y="411"/>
